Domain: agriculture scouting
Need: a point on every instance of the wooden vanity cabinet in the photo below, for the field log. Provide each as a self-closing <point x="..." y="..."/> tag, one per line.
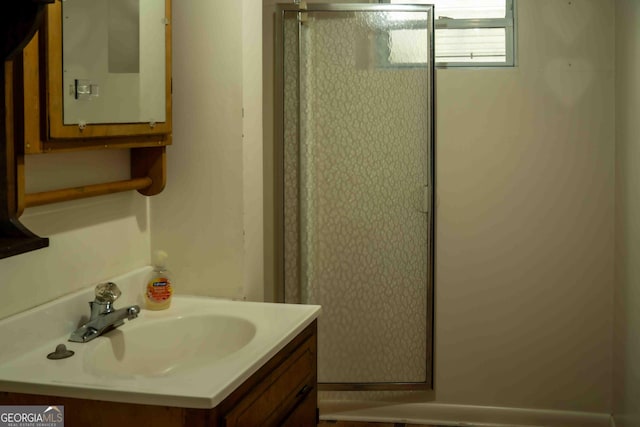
<point x="283" y="392"/>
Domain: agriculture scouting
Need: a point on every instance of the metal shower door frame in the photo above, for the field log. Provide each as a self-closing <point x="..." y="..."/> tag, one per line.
<point x="279" y="173"/>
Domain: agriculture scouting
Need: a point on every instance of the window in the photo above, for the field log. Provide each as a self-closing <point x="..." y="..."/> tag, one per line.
<point x="472" y="32"/>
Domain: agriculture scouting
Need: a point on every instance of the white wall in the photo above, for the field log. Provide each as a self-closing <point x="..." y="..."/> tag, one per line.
<point x="208" y="216"/>
<point x="525" y="218"/>
<point x="525" y="214"/>
<point x="252" y="149"/>
<point x="626" y="363"/>
<point x="90" y="240"/>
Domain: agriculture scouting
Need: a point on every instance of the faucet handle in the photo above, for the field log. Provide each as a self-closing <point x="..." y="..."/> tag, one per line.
<point x="107" y="292"/>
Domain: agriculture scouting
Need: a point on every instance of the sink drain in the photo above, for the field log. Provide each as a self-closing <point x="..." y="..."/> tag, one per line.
<point x="61" y="353"/>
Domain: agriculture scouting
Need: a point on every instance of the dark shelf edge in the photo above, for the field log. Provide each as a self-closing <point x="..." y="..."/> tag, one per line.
<point x="16" y="239"/>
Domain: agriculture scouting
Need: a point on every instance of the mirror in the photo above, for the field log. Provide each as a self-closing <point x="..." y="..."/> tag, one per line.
<point x="113" y="68"/>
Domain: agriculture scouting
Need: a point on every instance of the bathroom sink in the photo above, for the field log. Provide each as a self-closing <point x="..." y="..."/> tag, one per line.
<point x="166" y="346"/>
<point x="191" y="355"/>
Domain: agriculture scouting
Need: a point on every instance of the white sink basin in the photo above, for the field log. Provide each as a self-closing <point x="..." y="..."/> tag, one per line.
<point x="169" y="345"/>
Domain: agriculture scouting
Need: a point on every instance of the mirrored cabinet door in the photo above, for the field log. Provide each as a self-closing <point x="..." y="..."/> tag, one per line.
<point x="107" y="75"/>
<point x="113" y="57"/>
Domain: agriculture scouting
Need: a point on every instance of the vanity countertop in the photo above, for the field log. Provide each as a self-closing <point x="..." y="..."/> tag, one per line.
<point x="197" y="383"/>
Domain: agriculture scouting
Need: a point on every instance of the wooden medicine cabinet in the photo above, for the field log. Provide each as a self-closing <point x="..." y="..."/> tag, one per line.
<point x="97" y="75"/>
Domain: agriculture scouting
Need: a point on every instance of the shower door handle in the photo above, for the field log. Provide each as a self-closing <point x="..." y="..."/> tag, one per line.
<point x="426" y="199"/>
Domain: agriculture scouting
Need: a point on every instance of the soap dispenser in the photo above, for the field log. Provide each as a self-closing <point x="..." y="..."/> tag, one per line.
<point x="158" y="291"/>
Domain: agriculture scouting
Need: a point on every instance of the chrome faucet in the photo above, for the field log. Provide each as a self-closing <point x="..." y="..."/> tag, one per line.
<point x="103" y="316"/>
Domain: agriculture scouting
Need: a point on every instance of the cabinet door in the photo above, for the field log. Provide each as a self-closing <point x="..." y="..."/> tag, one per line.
<point x="305" y="413"/>
<point x="113" y="94"/>
<point x="271" y="400"/>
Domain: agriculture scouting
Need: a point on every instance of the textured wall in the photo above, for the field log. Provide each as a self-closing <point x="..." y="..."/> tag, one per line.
<point x="626" y="360"/>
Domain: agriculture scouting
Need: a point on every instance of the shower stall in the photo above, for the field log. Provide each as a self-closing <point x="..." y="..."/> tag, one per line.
<point x="354" y="155"/>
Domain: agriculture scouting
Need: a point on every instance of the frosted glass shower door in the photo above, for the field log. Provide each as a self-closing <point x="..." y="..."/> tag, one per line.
<point x="357" y="186"/>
